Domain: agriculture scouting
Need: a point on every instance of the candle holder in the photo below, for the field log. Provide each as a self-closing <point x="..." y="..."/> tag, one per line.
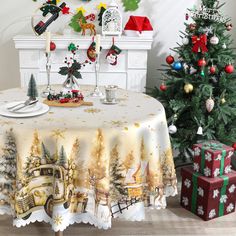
<point x="97" y="93"/>
<point x="48" y="89"/>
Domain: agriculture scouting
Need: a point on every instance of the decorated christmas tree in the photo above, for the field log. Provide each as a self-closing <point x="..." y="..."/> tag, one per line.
<point x="102" y="10"/>
<point x="199" y="87"/>
<point x="75" y="21"/>
<point x="8" y="170"/>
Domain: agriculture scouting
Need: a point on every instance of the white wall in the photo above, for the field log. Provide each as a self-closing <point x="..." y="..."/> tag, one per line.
<point x="166" y="16"/>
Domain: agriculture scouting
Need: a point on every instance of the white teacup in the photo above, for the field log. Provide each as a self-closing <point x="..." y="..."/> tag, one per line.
<point x="111" y="91"/>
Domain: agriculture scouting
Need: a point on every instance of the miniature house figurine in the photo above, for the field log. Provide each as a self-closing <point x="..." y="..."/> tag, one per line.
<point x="112" y="20"/>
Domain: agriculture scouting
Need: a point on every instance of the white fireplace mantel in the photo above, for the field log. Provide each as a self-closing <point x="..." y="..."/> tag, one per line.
<point x="130" y="72"/>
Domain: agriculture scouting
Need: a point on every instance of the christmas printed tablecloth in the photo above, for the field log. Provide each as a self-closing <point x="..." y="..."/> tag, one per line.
<point x="212" y="158"/>
<point x="208" y="198"/>
<point x="86" y="164"/>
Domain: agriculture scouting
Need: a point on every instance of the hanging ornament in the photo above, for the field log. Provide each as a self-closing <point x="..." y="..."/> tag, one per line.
<point x="172" y="129"/>
<point x="229" y="26"/>
<point x="192" y="27"/>
<point x="234" y="147"/>
<point x="163" y="87"/>
<point x="91" y="52"/>
<point x="212" y="70"/>
<point x="224" y="46"/>
<point x="210" y="104"/>
<point x="202" y="73"/>
<point x="177" y="66"/>
<point x="200" y="131"/>
<point x="192" y="70"/>
<point x="188" y="88"/>
<point x="202" y="62"/>
<point x="186" y="16"/>
<point x="208" y="30"/>
<point x="52" y="46"/>
<point x="214" y="40"/>
<point x="229" y="69"/>
<point x="223" y="101"/>
<point x="185" y="41"/>
<point x="170" y="59"/>
<point x="199" y="43"/>
<point x="112" y="55"/>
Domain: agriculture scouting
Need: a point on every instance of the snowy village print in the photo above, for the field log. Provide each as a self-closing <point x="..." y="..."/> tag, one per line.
<point x="98" y="187"/>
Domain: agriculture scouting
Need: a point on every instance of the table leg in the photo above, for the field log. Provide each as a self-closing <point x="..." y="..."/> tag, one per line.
<point x="59" y="233"/>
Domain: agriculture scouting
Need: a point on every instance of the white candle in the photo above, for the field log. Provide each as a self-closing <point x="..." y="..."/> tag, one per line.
<point x="98" y="43"/>
<point x="48" y="41"/>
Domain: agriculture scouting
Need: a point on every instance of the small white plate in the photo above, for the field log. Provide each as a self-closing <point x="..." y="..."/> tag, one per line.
<point x="5" y="112"/>
<point x="28" y="109"/>
<point x="104" y="101"/>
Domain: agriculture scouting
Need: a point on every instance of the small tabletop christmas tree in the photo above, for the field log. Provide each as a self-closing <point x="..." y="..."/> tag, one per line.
<point x="32" y="89"/>
<point x="199" y="88"/>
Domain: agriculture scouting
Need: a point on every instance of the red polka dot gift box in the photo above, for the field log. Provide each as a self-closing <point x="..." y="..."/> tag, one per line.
<point x="208" y="198"/>
<point x="212" y="159"/>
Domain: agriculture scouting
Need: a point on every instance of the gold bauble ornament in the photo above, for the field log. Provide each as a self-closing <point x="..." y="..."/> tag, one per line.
<point x="188" y="88"/>
<point x="223" y="101"/>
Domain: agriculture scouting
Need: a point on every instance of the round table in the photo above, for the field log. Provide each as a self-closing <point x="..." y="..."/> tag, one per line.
<point x="85" y="164"/>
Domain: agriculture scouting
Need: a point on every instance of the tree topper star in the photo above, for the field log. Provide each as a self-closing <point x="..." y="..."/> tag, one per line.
<point x="104" y="5"/>
<point x="81" y="9"/>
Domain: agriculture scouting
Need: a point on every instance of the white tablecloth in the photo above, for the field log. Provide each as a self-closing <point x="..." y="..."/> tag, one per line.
<point x="85" y="164"/>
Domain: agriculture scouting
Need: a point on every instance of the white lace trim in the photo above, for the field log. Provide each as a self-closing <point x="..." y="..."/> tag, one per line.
<point x="61" y="220"/>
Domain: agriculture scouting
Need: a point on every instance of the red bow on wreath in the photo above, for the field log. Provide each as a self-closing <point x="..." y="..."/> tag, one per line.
<point x="199" y="43"/>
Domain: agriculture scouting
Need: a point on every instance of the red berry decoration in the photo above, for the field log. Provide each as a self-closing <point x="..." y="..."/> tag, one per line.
<point x="229" y="69"/>
<point x="202" y="62"/>
<point x="52" y="46"/>
<point x="234" y="147"/>
<point x="163" y="87"/>
<point x="170" y="60"/>
<point x="212" y="70"/>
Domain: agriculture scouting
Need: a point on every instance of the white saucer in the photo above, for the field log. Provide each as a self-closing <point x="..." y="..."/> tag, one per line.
<point x="38" y="109"/>
<point x="104" y="101"/>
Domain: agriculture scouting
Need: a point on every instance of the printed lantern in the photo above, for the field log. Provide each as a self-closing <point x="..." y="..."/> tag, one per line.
<point x="112" y="20"/>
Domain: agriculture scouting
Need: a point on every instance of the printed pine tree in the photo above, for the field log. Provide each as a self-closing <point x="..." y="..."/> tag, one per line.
<point x="32" y="89"/>
<point x="75" y="24"/>
<point x="46" y="154"/>
<point x="116" y="175"/>
<point x="199" y="90"/>
<point x="62" y="161"/>
<point x="102" y="10"/>
<point x="8" y="170"/>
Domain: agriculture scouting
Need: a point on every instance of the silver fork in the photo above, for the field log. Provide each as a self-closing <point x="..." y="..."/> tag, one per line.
<point x="27" y="102"/>
<point x="26" y="105"/>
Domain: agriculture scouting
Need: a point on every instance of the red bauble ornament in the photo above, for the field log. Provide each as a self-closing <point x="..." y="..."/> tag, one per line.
<point x="202" y="62"/>
<point x="229" y="69"/>
<point x="229" y="26"/>
<point x="192" y="27"/>
<point x="234" y="147"/>
<point x="52" y="46"/>
<point x="170" y="60"/>
<point x="212" y="70"/>
<point x="163" y="87"/>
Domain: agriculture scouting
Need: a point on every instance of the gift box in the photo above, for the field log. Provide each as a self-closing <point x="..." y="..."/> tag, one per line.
<point x="208" y="198"/>
<point x="233" y="162"/>
<point x="138" y="26"/>
<point x="212" y="158"/>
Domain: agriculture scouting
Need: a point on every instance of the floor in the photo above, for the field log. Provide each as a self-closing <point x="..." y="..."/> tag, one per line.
<point x="172" y="221"/>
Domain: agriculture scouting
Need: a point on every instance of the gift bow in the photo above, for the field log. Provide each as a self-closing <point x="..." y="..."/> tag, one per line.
<point x="213" y="146"/>
<point x="199" y="43"/>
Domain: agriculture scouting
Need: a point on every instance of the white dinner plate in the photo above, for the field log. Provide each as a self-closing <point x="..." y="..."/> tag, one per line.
<point x="28" y="109"/>
<point x="40" y="109"/>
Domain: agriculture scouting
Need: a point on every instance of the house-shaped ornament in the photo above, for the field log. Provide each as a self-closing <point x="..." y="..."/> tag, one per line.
<point x="138" y="26"/>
